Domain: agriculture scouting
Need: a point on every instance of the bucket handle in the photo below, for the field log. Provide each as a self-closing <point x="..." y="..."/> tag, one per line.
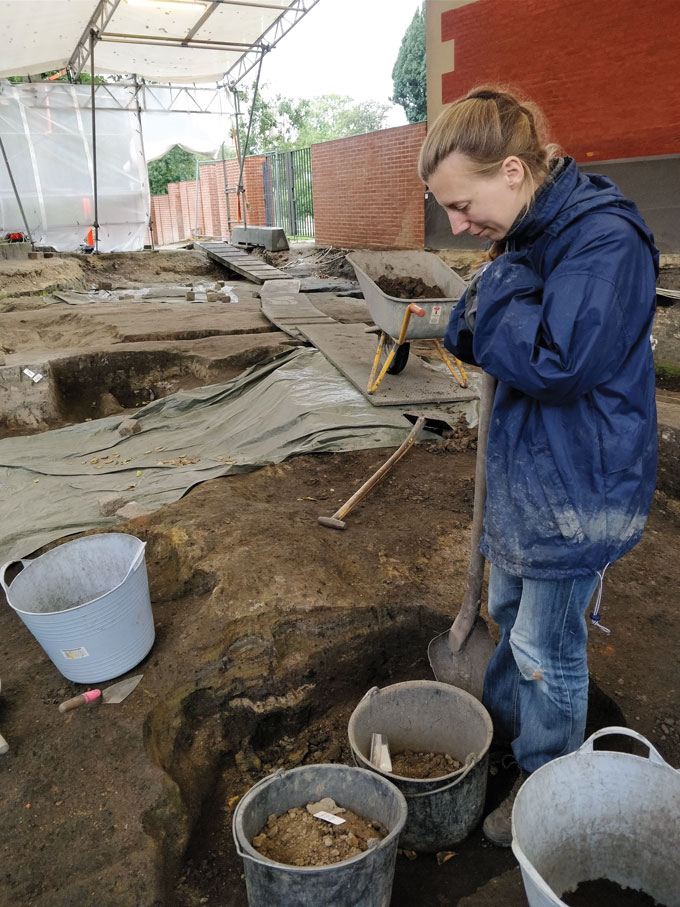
<point x="137" y="559"/>
<point x="654" y="755"/>
<point x="3" y="570"/>
<point x="369" y="693"/>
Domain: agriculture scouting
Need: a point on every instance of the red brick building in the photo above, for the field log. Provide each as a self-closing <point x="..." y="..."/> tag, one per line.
<point x="604" y="72"/>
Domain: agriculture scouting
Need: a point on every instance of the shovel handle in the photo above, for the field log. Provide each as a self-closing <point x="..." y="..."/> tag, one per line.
<point x="81" y="699"/>
<point x="465" y="619"/>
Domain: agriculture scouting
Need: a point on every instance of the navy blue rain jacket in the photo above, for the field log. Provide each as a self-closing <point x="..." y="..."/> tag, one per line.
<point x="563" y="321"/>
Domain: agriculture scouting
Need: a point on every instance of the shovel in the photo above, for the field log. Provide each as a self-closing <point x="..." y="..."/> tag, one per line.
<point x="113" y="694"/>
<point x="460" y="655"/>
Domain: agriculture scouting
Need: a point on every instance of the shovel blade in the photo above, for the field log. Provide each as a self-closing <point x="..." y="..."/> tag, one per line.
<point x="466" y="667"/>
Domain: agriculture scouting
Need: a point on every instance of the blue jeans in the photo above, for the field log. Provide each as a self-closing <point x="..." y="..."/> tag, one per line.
<point x="536" y="685"/>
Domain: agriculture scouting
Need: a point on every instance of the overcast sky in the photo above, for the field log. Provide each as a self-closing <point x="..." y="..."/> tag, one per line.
<point x="345" y="47"/>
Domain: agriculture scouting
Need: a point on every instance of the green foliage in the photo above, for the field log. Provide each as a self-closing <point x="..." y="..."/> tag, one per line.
<point x="409" y="75"/>
<point x="176" y="165"/>
<point x="282" y="124"/>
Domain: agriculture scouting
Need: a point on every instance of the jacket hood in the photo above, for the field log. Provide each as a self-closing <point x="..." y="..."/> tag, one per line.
<point x="566" y="196"/>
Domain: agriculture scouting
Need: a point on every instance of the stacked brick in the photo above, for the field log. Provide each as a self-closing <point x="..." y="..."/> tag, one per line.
<point x="181" y="214"/>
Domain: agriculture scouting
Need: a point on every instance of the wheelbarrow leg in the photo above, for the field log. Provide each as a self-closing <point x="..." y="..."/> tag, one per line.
<point x="374" y="382"/>
<point x="455" y="366"/>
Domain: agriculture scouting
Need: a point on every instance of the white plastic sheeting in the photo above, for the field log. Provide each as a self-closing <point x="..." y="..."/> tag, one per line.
<point x="48" y="142"/>
<point x="201" y="131"/>
<point x="47" y="132"/>
<point x="40" y="35"/>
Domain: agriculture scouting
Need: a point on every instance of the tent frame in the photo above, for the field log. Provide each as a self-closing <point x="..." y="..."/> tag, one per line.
<point x="252" y="56"/>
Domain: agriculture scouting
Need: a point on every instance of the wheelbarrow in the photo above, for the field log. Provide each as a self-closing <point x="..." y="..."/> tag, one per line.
<point x="394" y="317"/>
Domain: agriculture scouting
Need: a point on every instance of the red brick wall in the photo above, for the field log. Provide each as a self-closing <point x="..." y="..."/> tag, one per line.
<point x="173" y="215"/>
<point x="605" y="72"/>
<point x="367" y="193"/>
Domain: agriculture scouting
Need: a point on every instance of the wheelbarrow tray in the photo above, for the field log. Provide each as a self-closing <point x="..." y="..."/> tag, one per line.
<point x="388" y="311"/>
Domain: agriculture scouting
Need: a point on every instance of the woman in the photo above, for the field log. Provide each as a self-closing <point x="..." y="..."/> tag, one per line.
<point x="561" y="316"/>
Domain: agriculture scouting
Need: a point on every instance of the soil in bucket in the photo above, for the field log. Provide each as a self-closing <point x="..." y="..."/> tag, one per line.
<point x="409" y="764"/>
<point x="607" y="894"/>
<point x="300" y="837"/>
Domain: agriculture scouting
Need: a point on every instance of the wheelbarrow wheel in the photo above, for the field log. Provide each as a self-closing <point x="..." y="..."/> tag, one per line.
<point x="400" y="359"/>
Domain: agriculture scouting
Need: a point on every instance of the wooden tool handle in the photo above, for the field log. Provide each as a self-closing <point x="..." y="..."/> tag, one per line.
<point x="377" y="476"/>
<point x="465" y="619"/>
<point x="81" y="699"/>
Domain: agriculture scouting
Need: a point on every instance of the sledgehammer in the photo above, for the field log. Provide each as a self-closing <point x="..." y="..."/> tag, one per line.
<point x="336" y="521"/>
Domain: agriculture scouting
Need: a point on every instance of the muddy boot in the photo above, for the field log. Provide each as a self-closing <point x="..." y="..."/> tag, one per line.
<point x="497" y="826"/>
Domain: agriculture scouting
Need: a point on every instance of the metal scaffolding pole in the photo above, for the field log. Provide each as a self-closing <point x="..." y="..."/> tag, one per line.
<point x="141" y="140"/>
<point x="198" y="174"/>
<point x="242" y="157"/>
<point x="16" y="191"/>
<point x="93" y="39"/>
<point x="226" y="191"/>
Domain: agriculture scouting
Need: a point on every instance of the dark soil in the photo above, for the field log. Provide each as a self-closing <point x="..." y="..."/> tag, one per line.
<point x="269" y="629"/>
<point x="300" y="838"/>
<point x="409" y="288"/>
<point x="423" y="765"/>
<point x="608" y="894"/>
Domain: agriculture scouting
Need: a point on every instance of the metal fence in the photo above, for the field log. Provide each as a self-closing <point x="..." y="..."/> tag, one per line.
<point x="287" y="179"/>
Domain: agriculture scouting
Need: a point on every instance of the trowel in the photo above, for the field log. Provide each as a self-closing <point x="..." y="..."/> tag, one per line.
<point x="460" y="655"/>
<point x="113" y="694"/>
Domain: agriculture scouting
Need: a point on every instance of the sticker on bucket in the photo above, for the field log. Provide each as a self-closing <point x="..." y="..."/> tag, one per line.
<point x="75" y="653"/>
<point x="435" y="314"/>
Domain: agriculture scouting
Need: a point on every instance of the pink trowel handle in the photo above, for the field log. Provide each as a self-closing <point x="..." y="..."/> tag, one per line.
<point x="81" y="699"/>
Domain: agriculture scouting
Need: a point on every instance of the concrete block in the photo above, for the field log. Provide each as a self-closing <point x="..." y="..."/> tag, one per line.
<point x="271" y="238"/>
<point x="34" y="255"/>
<point x="14" y="249"/>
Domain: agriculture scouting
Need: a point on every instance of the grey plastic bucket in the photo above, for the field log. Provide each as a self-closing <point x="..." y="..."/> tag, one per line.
<point x="427" y="716"/>
<point x="598" y="814"/>
<point x="87" y="604"/>
<point x="362" y="881"/>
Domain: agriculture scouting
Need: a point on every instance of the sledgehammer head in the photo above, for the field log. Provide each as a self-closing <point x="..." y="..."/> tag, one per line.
<point x="331" y="523"/>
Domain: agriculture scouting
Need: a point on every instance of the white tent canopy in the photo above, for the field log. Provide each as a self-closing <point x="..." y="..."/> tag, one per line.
<point x="163" y="40"/>
<point x="72" y="179"/>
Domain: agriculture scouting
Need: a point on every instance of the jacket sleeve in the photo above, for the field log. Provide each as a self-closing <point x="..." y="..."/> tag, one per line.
<point x="458" y="336"/>
<point x="559" y="340"/>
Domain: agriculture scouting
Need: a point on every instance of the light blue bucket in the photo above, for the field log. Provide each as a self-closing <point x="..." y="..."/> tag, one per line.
<point x="87" y="603"/>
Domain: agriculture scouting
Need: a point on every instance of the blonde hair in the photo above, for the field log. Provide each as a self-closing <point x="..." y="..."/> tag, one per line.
<point x="488" y="125"/>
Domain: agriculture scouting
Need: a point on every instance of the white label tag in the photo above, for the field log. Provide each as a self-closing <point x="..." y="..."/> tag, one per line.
<point x="329" y="817"/>
<point x="435" y="314"/>
<point x="75" y="653"/>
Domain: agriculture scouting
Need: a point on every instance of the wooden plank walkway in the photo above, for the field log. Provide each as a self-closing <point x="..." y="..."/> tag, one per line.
<point x="241" y="262"/>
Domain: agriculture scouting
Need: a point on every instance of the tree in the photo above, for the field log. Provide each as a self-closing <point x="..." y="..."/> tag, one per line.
<point x="282" y="124"/>
<point x="409" y="75"/>
<point x="176" y="165"/>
